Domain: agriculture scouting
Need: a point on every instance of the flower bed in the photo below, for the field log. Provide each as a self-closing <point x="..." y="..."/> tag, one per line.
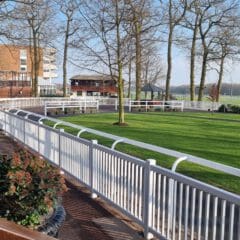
<point x="29" y="187"/>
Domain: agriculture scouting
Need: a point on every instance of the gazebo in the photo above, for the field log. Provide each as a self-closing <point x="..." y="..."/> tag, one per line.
<point x="152" y="88"/>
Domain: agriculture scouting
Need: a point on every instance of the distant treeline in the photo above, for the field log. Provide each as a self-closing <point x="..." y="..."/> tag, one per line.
<point x="227" y="89"/>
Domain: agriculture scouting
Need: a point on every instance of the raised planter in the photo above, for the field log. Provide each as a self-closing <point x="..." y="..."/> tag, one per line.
<point x="52" y="225"/>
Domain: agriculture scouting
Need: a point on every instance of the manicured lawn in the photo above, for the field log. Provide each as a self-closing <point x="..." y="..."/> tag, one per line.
<point x="212" y="136"/>
<point x="235" y="100"/>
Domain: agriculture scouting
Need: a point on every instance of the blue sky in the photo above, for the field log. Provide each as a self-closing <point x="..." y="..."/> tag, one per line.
<point x="180" y="73"/>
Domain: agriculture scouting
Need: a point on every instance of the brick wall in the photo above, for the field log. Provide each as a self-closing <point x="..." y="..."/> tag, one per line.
<point x="10" y="70"/>
<point x="10" y="58"/>
<point x="8" y="92"/>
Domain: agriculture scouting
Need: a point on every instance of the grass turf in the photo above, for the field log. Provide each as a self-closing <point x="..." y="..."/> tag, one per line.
<point x="212" y="136"/>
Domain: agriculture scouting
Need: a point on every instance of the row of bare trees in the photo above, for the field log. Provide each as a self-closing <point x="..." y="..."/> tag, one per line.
<point x="129" y="38"/>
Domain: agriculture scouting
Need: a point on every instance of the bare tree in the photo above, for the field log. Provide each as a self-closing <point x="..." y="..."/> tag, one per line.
<point x="68" y="9"/>
<point x="176" y="12"/>
<point x="153" y="70"/>
<point x="191" y="23"/>
<point x="106" y="42"/>
<point x="32" y="17"/>
<point x="212" y="15"/>
<point x="142" y="23"/>
<point x="130" y="71"/>
<point x="4" y="15"/>
<point x="227" y="47"/>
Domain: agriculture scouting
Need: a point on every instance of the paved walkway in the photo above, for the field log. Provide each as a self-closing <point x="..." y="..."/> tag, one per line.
<point x="87" y="219"/>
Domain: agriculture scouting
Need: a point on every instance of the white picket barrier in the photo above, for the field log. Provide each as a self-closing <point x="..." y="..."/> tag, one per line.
<point x="166" y="204"/>
<point x="82" y="105"/>
<point x="155" y="104"/>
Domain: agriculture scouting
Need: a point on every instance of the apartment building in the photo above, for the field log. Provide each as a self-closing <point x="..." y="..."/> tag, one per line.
<point x="47" y="87"/>
<point x="16" y="71"/>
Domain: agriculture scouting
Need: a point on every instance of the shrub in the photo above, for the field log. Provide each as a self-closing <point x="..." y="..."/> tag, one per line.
<point x="235" y="109"/>
<point x="29" y="187"/>
<point x="223" y="108"/>
<point x="229" y="108"/>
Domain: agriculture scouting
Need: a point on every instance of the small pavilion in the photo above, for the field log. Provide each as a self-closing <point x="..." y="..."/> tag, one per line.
<point x="153" y="89"/>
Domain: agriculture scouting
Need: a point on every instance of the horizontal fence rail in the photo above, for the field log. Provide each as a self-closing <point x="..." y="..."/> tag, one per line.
<point x="82" y="105"/>
<point x="8" y="103"/>
<point x="166" y="204"/>
<point x="155" y="104"/>
<point x="202" y="105"/>
<point x="178" y="155"/>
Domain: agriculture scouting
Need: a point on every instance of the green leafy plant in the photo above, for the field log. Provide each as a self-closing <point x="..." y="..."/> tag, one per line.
<point x="235" y="109"/>
<point x="29" y="187"/>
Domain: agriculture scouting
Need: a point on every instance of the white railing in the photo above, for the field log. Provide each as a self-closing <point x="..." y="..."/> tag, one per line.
<point x="202" y="105"/>
<point x="9" y="103"/>
<point x="82" y="105"/>
<point x="178" y="155"/>
<point x="103" y="101"/>
<point x="166" y="204"/>
<point x="163" y="105"/>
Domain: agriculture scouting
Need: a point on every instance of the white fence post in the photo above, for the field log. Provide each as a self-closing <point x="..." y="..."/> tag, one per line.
<point x="61" y="130"/>
<point x="85" y="106"/>
<point x="45" y="109"/>
<point x="91" y="167"/>
<point x="5" y="121"/>
<point x="116" y="104"/>
<point x="97" y="105"/>
<point x="148" y="198"/>
<point x="129" y="106"/>
<point x="39" y="125"/>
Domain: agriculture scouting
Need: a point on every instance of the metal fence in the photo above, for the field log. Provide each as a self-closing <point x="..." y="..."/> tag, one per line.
<point x="9" y="103"/>
<point x="155" y="104"/>
<point x="202" y="105"/>
<point x="145" y="105"/>
<point x="82" y="105"/>
<point x="166" y="204"/>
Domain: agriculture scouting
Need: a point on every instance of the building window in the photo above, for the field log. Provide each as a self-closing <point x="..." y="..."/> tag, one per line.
<point x="23" y="53"/>
<point x="23" y="61"/>
<point x="23" y="68"/>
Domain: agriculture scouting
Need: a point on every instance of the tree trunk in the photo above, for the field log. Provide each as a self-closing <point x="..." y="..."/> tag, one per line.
<point x="169" y="52"/>
<point x="220" y="77"/>
<point x="138" y="60"/>
<point x="169" y="63"/>
<point x="65" y="60"/>
<point x="129" y="78"/>
<point x="121" y="119"/>
<point x="203" y="75"/>
<point x="192" y="65"/>
<point x="35" y="64"/>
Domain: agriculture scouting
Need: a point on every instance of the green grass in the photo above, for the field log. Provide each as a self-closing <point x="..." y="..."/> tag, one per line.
<point x="212" y="136"/>
<point x="235" y="100"/>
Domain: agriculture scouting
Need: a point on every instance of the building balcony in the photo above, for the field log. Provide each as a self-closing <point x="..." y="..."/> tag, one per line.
<point x="49" y="75"/>
<point x="102" y="89"/>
